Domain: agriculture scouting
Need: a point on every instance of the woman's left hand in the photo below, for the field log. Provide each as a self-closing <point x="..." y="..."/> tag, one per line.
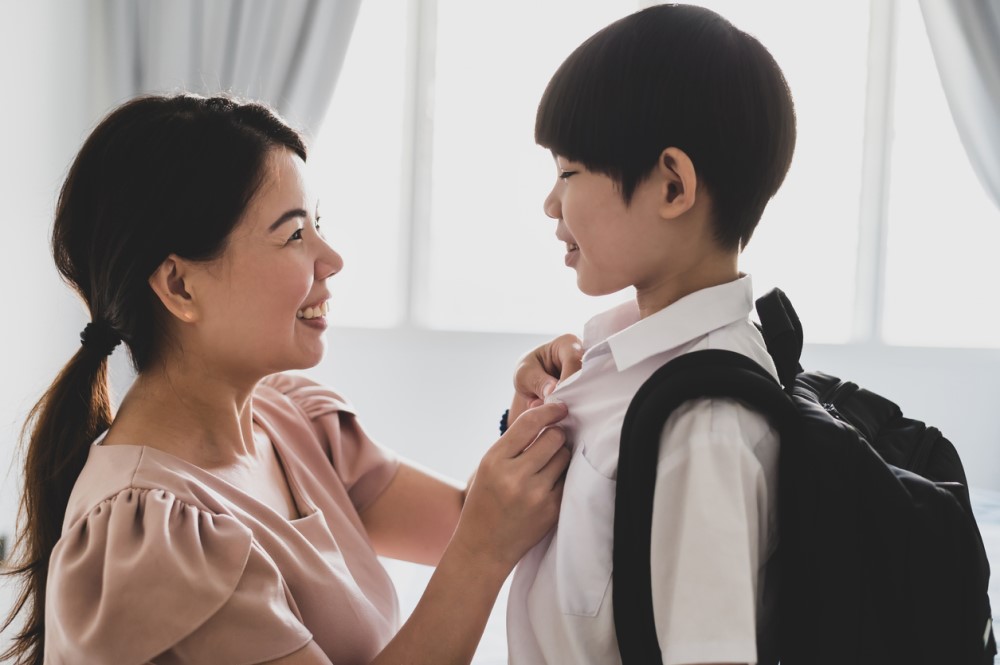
<point x="539" y="370"/>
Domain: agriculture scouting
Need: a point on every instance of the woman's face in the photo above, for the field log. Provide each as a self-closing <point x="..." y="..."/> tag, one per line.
<point x="262" y="305"/>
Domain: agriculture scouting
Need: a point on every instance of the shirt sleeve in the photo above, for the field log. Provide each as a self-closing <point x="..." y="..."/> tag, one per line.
<point x="145" y="577"/>
<point x="709" y="520"/>
<point x="364" y="467"/>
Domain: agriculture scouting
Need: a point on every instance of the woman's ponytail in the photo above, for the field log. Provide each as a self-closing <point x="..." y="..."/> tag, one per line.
<point x="56" y="439"/>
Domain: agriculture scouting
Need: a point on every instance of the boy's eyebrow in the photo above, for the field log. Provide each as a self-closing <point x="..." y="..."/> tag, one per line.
<point x="289" y="215"/>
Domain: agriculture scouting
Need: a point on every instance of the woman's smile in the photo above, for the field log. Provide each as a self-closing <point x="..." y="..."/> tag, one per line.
<point x="314" y="311"/>
<point x="314" y="316"/>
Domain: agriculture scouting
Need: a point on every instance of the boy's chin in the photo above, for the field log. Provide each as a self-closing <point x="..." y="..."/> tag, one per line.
<point x="596" y="290"/>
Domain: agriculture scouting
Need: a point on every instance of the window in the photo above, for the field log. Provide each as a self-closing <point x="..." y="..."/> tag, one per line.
<point x="494" y="262"/>
<point x="807" y="239"/>
<point x="358" y="164"/>
<point x="943" y="229"/>
<point x="435" y="186"/>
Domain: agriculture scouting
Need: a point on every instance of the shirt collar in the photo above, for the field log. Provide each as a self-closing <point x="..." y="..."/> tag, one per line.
<point x="632" y="340"/>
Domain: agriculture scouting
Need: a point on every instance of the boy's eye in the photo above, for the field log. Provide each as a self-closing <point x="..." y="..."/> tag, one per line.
<point x="566" y="174"/>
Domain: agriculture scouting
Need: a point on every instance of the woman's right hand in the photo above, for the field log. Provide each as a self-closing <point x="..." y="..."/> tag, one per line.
<point x="514" y="498"/>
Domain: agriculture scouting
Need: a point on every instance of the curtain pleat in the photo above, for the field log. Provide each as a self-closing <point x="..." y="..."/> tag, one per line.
<point x="287" y="54"/>
<point x="965" y="39"/>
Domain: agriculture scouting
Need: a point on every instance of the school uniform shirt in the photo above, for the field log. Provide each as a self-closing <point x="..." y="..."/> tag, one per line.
<point x="161" y="561"/>
<point x="715" y="512"/>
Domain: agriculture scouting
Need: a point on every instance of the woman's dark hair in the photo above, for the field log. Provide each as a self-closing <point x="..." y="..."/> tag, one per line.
<point x="159" y="175"/>
<point x="676" y="76"/>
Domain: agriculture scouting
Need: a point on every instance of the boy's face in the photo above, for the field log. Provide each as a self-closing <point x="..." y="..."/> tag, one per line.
<point x="610" y="245"/>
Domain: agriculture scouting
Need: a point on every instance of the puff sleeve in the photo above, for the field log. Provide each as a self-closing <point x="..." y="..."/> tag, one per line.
<point x="145" y="577"/>
<point x="364" y="467"/>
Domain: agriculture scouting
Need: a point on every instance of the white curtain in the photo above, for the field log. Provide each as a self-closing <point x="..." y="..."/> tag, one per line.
<point x="965" y="38"/>
<point x="286" y="53"/>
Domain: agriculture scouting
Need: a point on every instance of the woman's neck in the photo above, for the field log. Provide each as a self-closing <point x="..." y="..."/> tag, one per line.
<point x="192" y="414"/>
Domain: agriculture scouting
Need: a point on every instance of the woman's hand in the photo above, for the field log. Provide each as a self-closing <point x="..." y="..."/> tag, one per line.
<point x="514" y="498"/>
<point x="538" y="370"/>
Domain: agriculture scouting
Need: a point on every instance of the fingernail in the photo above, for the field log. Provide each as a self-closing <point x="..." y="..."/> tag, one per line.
<point x="548" y="388"/>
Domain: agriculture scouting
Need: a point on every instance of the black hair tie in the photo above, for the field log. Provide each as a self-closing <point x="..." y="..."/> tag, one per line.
<point x="100" y="337"/>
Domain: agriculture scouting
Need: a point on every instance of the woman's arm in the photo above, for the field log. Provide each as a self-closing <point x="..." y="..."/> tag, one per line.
<point x="512" y="502"/>
<point x="415" y="516"/>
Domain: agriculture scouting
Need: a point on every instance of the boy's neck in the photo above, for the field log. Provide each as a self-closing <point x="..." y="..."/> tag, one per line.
<point x="659" y="295"/>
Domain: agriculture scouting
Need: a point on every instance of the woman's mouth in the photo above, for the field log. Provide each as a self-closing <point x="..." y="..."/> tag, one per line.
<point x="314" y="312"/>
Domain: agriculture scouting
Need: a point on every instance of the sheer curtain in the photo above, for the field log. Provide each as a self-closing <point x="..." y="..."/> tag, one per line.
<point x="965" y="38"/>
<point x="287" y="54"/>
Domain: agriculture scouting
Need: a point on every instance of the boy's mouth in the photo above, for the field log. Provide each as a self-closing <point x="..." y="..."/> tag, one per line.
<point x="572" y="252"/>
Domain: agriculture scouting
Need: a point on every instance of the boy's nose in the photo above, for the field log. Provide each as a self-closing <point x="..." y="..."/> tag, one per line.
<point x="552" y="206"/>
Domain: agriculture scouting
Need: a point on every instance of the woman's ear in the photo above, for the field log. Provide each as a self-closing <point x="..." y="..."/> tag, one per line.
<point x="172" y="284"/>
<point x="679" y="183"/>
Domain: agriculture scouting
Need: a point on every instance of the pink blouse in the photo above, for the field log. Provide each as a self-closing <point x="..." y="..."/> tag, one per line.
<point x="162" y="561"/>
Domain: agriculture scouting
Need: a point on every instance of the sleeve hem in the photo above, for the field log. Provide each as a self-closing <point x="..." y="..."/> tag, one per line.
<point x="284" y="653"/>
<point x="369" y="497"/>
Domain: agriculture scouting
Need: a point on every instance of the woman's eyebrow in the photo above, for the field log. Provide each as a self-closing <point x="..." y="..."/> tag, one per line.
<point x="291" y="214"/>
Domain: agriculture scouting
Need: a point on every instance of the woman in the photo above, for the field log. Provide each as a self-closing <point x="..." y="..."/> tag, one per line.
<point x="230" y="513"/>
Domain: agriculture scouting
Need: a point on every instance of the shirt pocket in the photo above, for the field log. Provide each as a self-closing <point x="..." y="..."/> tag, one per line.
<point x="584" y="538"/>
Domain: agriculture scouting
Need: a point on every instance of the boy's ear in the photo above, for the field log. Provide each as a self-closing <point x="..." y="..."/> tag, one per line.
<point x="172" y="284"/>
<point x="679" y="183"/>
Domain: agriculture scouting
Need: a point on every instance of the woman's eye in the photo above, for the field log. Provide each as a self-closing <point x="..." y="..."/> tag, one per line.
<point x="296" y="236"/>
<point x="316" y="225"/>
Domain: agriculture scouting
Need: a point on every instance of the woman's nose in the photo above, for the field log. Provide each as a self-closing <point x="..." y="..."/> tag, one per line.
<point x="328" y="263"/>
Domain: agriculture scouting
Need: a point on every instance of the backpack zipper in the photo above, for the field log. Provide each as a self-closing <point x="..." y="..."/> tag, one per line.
<point x="829" y="400"/>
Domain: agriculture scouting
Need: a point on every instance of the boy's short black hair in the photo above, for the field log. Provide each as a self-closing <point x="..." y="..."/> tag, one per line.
<point x="676" y="76"/>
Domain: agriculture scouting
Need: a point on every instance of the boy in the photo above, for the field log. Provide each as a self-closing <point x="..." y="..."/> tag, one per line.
<point x="671" y="130"/>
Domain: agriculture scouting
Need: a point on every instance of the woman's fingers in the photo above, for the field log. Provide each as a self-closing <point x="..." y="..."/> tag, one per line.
<point x="569" y="354"/>
<point x="554" y="471"/>
<point x="537" y="371"/>
<point x="548" y="443"/>
<point x="525" y="430"/>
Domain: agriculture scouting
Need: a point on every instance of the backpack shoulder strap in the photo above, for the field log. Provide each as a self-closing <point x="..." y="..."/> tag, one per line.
<point x="782" y="332"/>
<point x="710" y="373"/>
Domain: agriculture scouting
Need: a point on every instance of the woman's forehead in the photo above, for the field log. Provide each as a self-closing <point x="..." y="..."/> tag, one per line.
<point x="284" y="186"/>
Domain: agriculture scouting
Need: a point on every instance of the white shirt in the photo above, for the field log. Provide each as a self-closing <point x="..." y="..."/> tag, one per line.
<point x="715" y="509"/>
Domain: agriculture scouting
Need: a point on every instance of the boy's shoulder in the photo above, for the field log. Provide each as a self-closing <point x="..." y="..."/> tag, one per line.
<point x="724" y="420"/>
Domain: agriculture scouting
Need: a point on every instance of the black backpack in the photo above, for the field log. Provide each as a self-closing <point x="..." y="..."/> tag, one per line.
<point x="880" y="558"/>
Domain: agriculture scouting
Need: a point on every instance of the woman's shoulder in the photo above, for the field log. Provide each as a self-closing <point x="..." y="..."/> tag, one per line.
<point x="311" y="397"/>
<point x="299" y="410"/>
<point x="145" y="559"/>
<point x="114" y="471"/>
